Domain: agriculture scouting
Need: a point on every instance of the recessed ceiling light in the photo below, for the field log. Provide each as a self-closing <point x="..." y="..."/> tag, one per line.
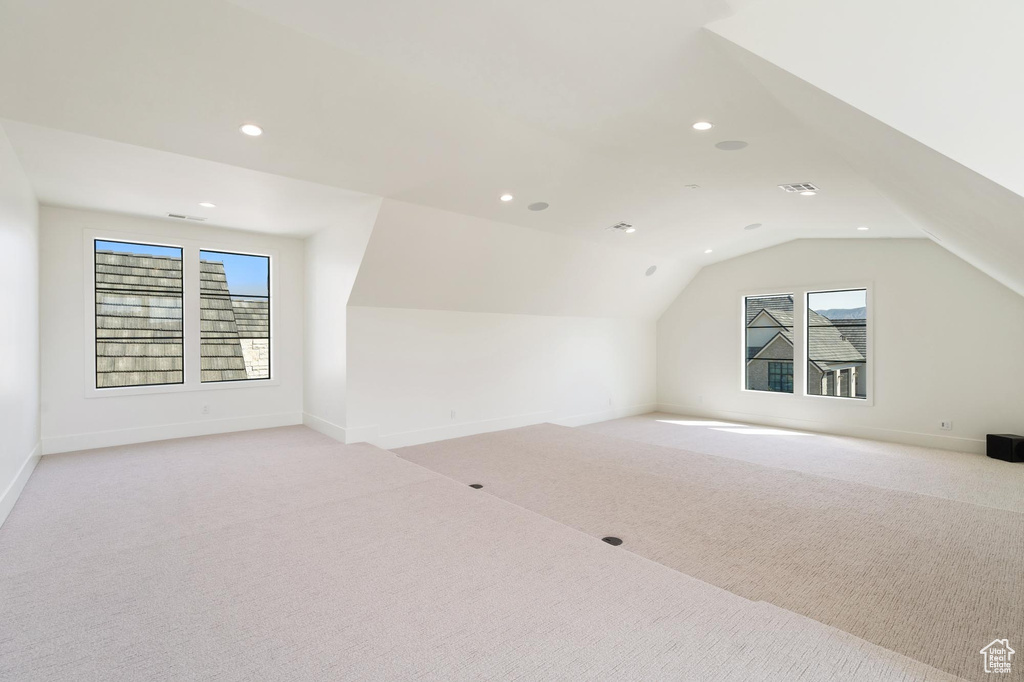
<point x="752" y="226"/>
<point x="731" y="145"/>
<point x="207" y="204"/>
<point x="538" y="206"/>
<point x="703" y="125"/>
<point x="707" y="250"/>
<point x="251" y="129"/>
<point x="807" y="193"/>
<point x="863" y="228"/>
<point x="630" y="230"/>
<point x="506" y="197"/>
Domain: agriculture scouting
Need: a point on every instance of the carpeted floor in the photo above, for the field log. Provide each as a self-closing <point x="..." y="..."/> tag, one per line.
<point x="932" y="578"/>
<point x="960" y="476"/>
<point x="282" y="555"/>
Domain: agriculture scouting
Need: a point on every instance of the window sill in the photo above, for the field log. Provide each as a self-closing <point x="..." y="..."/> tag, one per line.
<point x="178" y="388"/>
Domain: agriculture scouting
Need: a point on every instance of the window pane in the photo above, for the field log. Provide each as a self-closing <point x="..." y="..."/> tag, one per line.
<point x="235" y="316"/>
<point x="138" y="315"/>
<point x="837" y="343"/>
<point x="769" y="343"/>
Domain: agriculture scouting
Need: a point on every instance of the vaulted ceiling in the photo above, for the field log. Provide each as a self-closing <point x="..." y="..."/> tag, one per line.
<point x="585" y="106"/>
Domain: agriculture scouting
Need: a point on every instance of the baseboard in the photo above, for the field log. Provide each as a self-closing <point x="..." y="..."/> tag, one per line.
<point x="405" y="438"/>
<point x="927" y="440"/>
<point x="104" y="439"/>
<point x="325" y="427"/>
<point x="13" y="491"/>
<point x="616" y="413"/>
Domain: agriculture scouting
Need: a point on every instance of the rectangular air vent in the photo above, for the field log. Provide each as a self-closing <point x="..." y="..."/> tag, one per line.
<point x="182" y="216"/>
<point x="800" y="187"/>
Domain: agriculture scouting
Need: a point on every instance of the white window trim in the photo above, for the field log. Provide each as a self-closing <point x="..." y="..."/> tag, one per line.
<point x="798" y="372"/>
<point x="799" y="294"/>
<point x="190" y="249"/>
<point x="869" y="381"/>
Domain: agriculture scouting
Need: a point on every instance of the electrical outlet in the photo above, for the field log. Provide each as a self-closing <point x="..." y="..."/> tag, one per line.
<point x="946" y="425"/>
<point x="205" y="409"/>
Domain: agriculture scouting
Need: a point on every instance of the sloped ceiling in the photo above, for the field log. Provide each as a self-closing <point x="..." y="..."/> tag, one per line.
<point x="425" y="258"/>
<point x="78" y="171"/>
<point x="927" y="110"/>
<point x="585" y="106"/>
<point x="945" y="73"/>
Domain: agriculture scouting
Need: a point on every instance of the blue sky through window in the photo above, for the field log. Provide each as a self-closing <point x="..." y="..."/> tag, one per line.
<point x="138" y="249"/>
<point x="247" y="275"/>
<point x="832" y="300"/>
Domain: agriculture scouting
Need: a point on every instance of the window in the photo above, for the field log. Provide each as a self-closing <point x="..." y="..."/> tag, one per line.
<point x="837" y="353"/>
<point x="768" y="335"/>
<point x="139" y="327"/>
<point x="234" y="316"/>
<point x="780" y="376"/>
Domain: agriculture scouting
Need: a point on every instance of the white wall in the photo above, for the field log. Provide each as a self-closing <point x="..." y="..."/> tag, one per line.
<point x="19" y="328"/>
<point x="71" y="420"/>
<point x="504" y="325"/>
<point x="409" y="369"/>
<point x="946" y="343"/>
<point x="332" y="261"/>
<point x="429" y="259"/>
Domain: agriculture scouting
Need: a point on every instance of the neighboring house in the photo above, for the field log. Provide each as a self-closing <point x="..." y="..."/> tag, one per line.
<point x="139" y="323"/>
<point x="837" y="350"/>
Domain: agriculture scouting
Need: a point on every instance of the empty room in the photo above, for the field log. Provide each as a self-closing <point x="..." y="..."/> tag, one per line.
<point x="663" y="340"/>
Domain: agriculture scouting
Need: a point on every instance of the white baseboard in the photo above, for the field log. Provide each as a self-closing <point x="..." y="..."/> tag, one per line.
<point x="103" y="439"/>
<point x="325" y="427"/>
<point x="927" y="440"/>
<point x="616" y="413"/>
<point x="13" y="491"/>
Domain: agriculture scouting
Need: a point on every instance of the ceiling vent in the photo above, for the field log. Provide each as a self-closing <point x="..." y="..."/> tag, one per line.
<point x="622" y="227"/>
<point x="800" y="187"/>
<point x="182" y="216"/>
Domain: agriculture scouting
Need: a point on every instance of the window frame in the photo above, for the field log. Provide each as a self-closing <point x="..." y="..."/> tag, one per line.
<point x="797" y="317"/>
<point x="782" y="375"/>
<point x="95" y="305"/>
<point x="190" y="248"/>
<point x="869" y="366"/>
<point x="270" y="318"/>
<point x="799" y="294"/>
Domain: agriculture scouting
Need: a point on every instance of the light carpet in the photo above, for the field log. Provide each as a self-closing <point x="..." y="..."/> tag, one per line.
<point x="931" y="578"/>
<point x="280" y="555"/>
<point x="968" y="477"/>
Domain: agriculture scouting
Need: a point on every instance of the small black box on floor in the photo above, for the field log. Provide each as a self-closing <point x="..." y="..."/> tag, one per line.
<point x="1005" y="446"/>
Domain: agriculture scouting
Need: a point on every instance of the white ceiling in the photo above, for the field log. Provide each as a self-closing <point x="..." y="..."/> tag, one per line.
<point x="583" y="105"/>
<point x="931" y="113"/>
<point x="68" y="169"/>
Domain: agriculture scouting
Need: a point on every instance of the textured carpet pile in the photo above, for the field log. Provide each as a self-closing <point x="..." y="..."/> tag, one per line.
<point x="282" y="555"/>
<point x="932" y="578"/>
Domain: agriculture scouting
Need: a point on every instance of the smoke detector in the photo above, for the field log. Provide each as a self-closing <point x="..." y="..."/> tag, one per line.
<point x="799" y="187"/>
